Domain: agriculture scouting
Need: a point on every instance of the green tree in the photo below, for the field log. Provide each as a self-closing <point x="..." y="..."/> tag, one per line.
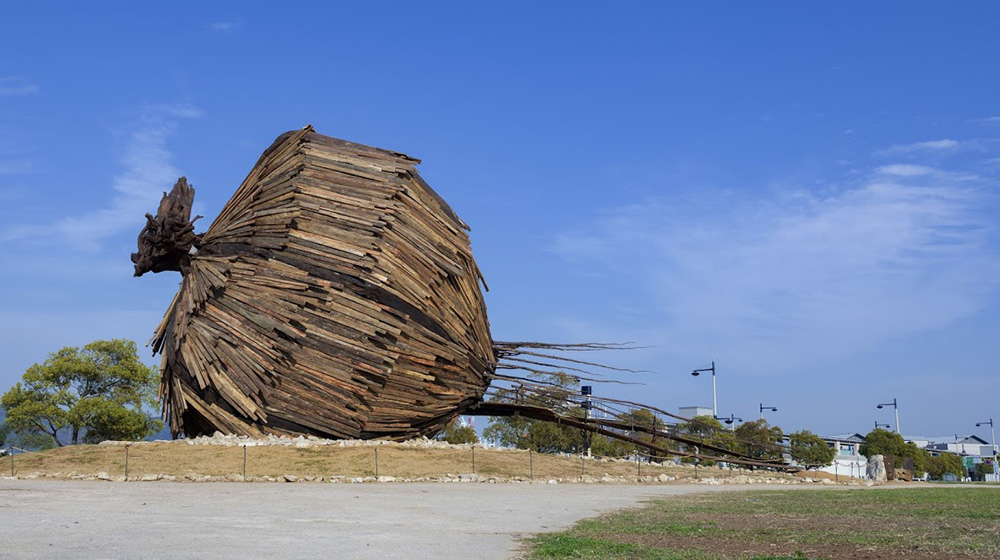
<point x="883" y="442"/>
<point x="95" y="392"/>
<point x="640" y="418"/>
<point x="945" y="463"/>
<point x="705" y="429"/>
<point x="457" y="434"/>
<point x="809" y="450"/>
<point x="545" y="437"/>
<point x="548" y="437"/>
<point x="759" y="440"/>
<point x="919" y="458"/>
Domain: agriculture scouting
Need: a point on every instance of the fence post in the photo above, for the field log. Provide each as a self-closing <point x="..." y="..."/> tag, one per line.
<point x="638" y="466"/>
<point x="244" y="463"/>
<point x="12" y="461"/>
<point x="126" y="462"/>
<point x="696" y="461"/>
<point x="473" y="459"/>
<point x="531" y="465"/>
<point x="376" y="461"/>
<point x="582" y="465"/>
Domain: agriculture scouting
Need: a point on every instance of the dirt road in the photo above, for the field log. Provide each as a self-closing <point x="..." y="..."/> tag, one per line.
<point x="113" y="520"/>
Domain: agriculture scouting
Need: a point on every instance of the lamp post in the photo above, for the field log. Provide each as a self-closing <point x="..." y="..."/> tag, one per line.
<point x="877" y="425"/>
<point x="715" y="409"/>
<point x="587" y="391"/>
<point x="895" y="407"/>
<point x="732" y="420"/>
<point x="763" y="408"/>
<point x="993" y="438"/>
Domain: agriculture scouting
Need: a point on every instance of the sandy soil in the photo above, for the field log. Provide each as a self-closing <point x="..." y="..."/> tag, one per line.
<point x="74" y="520"/>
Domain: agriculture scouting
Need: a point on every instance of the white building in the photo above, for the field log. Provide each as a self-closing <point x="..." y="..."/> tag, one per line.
<point x="847" y="460"/>
<point x="692" y="411"/>
<point x="957" y="444"/>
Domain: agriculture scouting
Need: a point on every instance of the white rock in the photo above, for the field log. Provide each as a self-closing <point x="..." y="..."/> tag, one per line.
<point x="876" y="468"/>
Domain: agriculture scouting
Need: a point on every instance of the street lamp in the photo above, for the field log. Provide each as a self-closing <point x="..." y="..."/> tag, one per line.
<point x="895" y="407"/>
<point x="731" y="420"/>
<point x="877" y="425"/>
<point x="763" y="408"/>
<point x="696" y="372"/>
<point x="993" y="437"/>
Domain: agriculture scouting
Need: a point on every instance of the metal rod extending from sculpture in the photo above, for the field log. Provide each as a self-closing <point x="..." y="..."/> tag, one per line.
<point x="335" y="295"/>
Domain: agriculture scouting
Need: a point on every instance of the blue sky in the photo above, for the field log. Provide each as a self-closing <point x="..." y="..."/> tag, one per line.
<point x="805" y="194"/>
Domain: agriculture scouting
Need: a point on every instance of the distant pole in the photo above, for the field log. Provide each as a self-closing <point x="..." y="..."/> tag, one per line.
<point x="12" y="461"/>
<point x="638" y="466"/>
<point x="244" y="463"/>
<point x="473" y="459"/>
<point x="531" y="465"/>
<point x="582" y="466"/>
<point x="763" y="408"/>
<point x="993" y="438"/>
<point x="715" y="404"/>
<point x="895" y="407"/>
<point x="376" y="461"/>
<point x="126" y="462"/>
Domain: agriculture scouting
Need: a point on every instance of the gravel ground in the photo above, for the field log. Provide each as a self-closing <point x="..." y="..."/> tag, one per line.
<point x="104" y="520"/>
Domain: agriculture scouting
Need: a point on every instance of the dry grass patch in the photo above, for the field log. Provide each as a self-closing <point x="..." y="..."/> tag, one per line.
<point x="400" y="461"/>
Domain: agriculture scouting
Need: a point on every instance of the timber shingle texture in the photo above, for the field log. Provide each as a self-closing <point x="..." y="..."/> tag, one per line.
<point x="335" y="295"/>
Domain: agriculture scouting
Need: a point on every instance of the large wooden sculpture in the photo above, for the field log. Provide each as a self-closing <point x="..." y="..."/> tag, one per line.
<point x="335" y="295"/>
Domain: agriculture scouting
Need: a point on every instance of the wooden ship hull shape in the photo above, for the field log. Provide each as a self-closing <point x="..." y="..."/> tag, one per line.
<point x="334" y="295"/>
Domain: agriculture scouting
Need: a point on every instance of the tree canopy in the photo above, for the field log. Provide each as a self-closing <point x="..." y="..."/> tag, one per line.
<point x="548" y="437"/>
<point x="883" y="442"/>
<point x="707" y="430"/>
<point x="810" y="450"/>
<point x="96" y="392"/>
<point x="944" y="463"/>
<point x="4" y="432"/>
<point x="759" y="440"/>
<point x="457" y="433"/>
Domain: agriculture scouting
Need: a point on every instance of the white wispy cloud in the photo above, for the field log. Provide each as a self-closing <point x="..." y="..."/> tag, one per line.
<point x="910" y="170"/>
<point x="945" y="144"/>
<point x="797" y="274"/>
<point x="146" y="173"/>
<point x="16" y="86"/>
<point x="905" y="170"/>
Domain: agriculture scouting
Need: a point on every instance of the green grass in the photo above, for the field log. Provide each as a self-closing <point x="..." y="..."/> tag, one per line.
<point x="829" y="523"/>
<point x="568" y="546"/>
